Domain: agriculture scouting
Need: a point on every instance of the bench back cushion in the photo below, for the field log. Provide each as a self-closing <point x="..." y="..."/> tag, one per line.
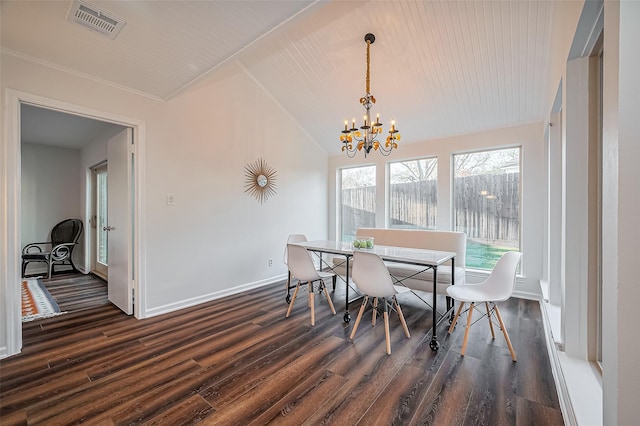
<point x="421" y="239"/>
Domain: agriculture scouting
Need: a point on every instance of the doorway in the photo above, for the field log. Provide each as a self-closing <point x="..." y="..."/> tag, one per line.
<point x="11" y="188"/>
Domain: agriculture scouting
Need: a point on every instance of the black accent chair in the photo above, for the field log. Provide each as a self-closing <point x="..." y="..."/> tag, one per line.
<point x="58" y="251"/>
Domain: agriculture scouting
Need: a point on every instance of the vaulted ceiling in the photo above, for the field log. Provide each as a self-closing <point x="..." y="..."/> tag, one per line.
<point x="440" y="68"/>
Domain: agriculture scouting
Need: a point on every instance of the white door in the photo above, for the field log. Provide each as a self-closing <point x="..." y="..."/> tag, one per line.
<point x="119" y="227"/>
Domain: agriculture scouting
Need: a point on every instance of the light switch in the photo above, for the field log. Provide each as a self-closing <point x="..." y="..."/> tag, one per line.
<point x="170" y="199"/>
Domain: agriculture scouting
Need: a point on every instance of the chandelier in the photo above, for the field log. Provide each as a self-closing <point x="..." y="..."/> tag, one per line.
<point x="366" y="137"/>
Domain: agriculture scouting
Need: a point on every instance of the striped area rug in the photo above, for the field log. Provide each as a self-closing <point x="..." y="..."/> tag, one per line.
<point x="37" y="302"/>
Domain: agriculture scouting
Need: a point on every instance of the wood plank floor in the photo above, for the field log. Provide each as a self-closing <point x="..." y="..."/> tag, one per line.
<point x="239" y="361"/>
<point x="74" y="291"/>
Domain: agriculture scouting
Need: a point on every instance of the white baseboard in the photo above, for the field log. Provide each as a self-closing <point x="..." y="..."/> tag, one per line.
<point x="4" y="352"/>
<point x="187" y="303"/>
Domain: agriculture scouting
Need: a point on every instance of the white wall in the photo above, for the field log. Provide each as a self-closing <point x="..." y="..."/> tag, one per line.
<point x="216" y="238"/>
<point x="529" y="137"/>
<point x="50" y="193"/>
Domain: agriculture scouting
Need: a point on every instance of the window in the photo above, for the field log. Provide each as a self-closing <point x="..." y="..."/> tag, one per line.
<point x="413" y="193"/>
<point x="358" y="200"/>
<point x="486" y="203"/>
<point x="102" y="239"/>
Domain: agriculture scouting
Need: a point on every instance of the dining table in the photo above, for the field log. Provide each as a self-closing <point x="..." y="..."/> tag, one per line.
<point x="428" y="259"/>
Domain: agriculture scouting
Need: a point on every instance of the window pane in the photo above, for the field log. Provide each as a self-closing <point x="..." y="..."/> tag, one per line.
<point x="487" y="204"/>
<point x="413" y="193"/>
<point x="101" y="217"/>
<point x="358" y="194"/>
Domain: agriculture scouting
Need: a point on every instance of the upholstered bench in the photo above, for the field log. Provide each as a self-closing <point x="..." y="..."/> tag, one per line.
<point x="411" y="275"/>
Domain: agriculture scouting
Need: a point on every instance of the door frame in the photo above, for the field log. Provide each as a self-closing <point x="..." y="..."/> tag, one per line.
<point x="10" y="222"/>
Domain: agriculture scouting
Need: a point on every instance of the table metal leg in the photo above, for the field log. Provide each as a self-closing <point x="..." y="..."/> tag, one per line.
<point x="347" y="315"/>
<point x="288" y="297"/>
<point x="433" y="344"/>
<point x="450" y="301"/>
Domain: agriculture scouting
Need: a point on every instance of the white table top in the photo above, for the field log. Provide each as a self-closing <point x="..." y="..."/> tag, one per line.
<point x="398" y="254"/>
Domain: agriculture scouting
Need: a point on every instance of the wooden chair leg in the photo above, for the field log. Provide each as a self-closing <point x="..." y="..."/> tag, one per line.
<point x="466" y="331"/>
<point x="326" y="293"/>
<point x="295" y="294"/>
<point x="311" y="301"/>
<point x="404" y="323"/>
<point x="504" y="331"/>
<point x="455" y="318"/>
<point x="493" y="335"/>
<point x="362" y="307"/>
<point x="375" y="311"/>
<point x="386" y="327"/>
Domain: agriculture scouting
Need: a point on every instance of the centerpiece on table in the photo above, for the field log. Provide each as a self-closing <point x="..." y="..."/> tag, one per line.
<point x="363" y="243"/>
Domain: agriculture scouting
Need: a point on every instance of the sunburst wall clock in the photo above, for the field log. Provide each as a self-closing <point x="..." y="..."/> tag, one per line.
<point x="260" y="180"/>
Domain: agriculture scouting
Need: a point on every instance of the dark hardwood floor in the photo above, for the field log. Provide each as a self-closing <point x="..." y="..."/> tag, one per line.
<point x="239" y="361"/>
<point x="75" y="292"/>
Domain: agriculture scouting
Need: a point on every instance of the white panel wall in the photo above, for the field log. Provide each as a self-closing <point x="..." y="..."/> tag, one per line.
<point x="50" y="193"/>
<point x="529" y="137"/>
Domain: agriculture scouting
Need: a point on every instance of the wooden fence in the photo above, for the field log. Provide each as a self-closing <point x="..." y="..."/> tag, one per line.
<point x="414" y="204"/>
<point x="486" y="207"/>
<point x="358" y="210"/>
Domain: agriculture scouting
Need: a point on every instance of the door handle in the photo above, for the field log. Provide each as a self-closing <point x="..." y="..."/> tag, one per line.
<point x="108" y="228"/>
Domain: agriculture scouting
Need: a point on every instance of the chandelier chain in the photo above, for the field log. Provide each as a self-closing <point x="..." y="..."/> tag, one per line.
<point x="368" y="80"/>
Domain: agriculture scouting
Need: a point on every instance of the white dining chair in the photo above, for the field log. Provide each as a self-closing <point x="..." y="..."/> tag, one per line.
<point x="293" y="238"/>
<point x="301" y="266"/>
<point x="498" y="287"/>
<point x="372" y="279"/>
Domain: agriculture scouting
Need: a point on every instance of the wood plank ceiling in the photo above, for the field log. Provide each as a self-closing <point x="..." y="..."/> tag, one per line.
<point x="440" y="68"/>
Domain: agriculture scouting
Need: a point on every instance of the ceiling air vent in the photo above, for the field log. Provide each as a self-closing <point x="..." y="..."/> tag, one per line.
<point x="95" y="19"/>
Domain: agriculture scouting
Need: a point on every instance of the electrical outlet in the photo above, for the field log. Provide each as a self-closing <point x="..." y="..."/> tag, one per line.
<point x="270" y="262"/>
<point x="171" y="199"/>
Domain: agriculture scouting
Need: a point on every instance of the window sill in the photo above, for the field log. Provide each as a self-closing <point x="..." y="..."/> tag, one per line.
<point x="579" y="382"/>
